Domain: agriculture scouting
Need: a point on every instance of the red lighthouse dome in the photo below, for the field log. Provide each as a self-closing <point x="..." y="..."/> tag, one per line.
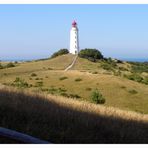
<point x="74" y="24"/>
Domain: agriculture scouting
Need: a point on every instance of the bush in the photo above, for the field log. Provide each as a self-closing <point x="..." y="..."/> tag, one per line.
<point x="39" y="84"/>
<point x="61" y="89"/>
<point x="97" y="98"/>
<point x="134" y="77"/>
<point x="50" y="68"/>
<point x="133" y="91"/>
<point x="9" y="65"/>
<point x="123" y="69"/>
<point x="20" y="83"/>
<point x="64" y="94"/>
<point x="78" y="79"/>
<point x="63" y="78"/>
<point x="106" y="66"/>
<point x="145" y="81"/>
<point x="139" y="67"/>
<point x="1" y="67"/>
<point x="88" y="89"/>
<point x="74" y="96"/>
<point x="70" y="95"/>
<point x="60" y="52"/>
<point x="95" y="72"/>
<point x="90" y="54"/>
<point x="33" y="75"/>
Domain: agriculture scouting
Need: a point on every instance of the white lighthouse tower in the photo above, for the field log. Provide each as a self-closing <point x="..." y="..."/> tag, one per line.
<point x="74" y="39"/>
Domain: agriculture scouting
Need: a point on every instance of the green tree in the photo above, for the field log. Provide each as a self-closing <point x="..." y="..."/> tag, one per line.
<point x="91" y="54"/>
<point x="60" y="52"/>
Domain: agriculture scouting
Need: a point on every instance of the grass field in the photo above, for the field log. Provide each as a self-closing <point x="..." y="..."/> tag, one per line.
<point x="118" y="91"/>
<point x="63" y="120"/>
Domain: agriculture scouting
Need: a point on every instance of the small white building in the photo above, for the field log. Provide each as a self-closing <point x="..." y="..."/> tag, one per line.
<point x="74" y="39"/>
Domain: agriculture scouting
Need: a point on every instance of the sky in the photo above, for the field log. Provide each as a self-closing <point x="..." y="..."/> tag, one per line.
<point x="37" y="31"/>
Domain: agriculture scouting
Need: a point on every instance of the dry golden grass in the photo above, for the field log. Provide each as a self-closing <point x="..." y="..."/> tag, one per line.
<point x="115" y="89"/>
<point x="62" y="120"/>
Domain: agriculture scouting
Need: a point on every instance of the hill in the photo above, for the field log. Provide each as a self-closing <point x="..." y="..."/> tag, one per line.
<point x="62" y="120"/>
<point x="48" y="76"/>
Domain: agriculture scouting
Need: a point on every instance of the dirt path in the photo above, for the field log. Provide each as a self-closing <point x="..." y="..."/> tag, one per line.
<point x="72" y="64"/>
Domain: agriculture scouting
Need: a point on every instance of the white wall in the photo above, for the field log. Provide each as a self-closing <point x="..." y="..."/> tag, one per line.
<point x="74" y="40"/>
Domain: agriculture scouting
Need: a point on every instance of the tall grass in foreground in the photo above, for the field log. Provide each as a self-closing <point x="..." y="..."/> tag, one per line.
<point x="62" y="120"/>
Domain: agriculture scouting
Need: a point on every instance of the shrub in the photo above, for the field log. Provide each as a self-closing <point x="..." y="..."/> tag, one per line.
<point x="1" y="67"/>
<point x="52" y="90"/>
<point x="139" y="67"/>
<point x="133" y="91"/>
<point x="39" y="84"/>
<point x="62" y="89"/>
<point x="78" y="79"/>
<point x="33" y="75"/>
<point x="123" y="87"/>
<point x="90" y="54"/>
<point x="117" y="73"/>
<point x="63" y="78"/>
<point x="9" y="65"/>
<point x="88" y="89"/>
<point x="123" y="69"/>
<point x="97" y="98"/>
<point x="95" y="72"/>
<point x="145" y="81"/>
<point x="60" y="52"/>
<point x="134" y="77"/>
<point x="74" y="96"/>
<point x="106" y="66"/>
<point x="50" y="68"/>
<point x="20" y="83"/>
<point x="70" y="95"/>
<point x="64" y="94"/>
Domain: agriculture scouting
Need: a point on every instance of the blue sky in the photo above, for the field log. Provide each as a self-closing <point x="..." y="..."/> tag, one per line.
<point x="36" y="31"/>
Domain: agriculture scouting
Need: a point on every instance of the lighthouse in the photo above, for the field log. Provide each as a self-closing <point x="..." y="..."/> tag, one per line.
<point x="74" y="39"/>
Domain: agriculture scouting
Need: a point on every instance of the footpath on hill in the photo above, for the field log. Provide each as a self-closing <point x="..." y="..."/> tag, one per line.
<point x="72" y="64"/>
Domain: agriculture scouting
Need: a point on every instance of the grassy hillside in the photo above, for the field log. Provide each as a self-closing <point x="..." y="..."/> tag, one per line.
<point x="62" y="120"/>
<point x="51" y="78"/>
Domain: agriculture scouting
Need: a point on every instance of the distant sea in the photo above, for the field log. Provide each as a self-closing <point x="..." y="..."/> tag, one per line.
<point x="123" y="59"/>
<point x="134" y="59"/>
<point x="18" y="60"/>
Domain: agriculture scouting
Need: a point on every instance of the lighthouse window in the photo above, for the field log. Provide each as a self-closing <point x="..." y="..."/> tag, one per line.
<point x="75" y="37"/>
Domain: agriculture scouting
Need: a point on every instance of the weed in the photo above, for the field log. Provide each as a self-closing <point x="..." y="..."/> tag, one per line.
<point x="132" y="91"/>
<point x="63" y="78"/>
<point x="33" y="75"/>
<point x="78" y="79"/>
